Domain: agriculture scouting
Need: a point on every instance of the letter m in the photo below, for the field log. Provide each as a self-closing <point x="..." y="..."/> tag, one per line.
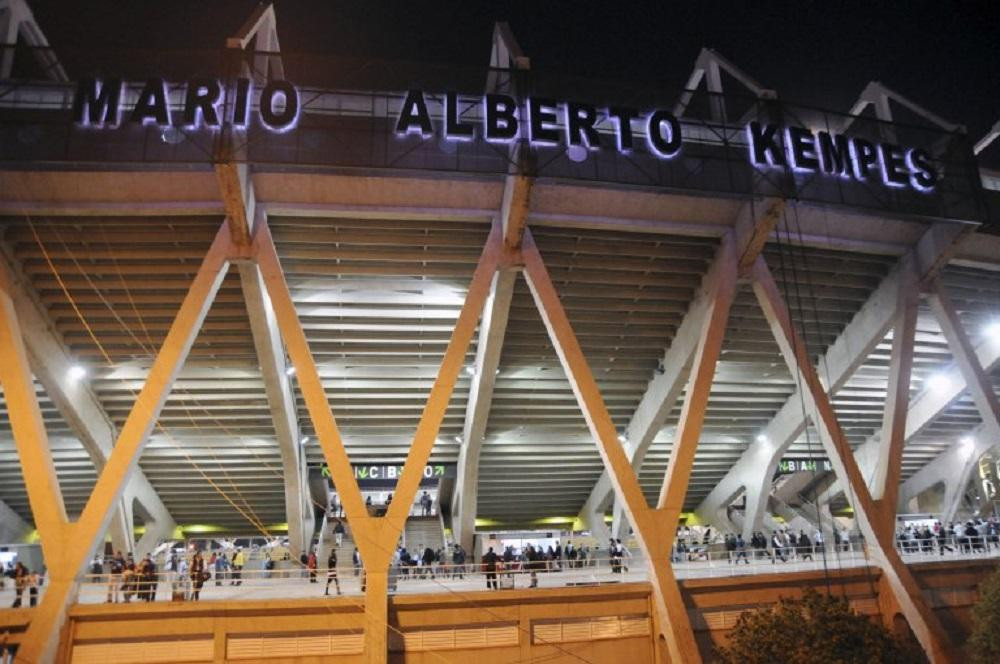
<point x="97" y="104"/>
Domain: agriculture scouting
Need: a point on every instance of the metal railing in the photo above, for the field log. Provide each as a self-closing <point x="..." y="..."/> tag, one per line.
<point x="294" y="581"/>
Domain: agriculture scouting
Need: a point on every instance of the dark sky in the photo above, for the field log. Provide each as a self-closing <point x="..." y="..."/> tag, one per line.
<point x="944" y="55"/>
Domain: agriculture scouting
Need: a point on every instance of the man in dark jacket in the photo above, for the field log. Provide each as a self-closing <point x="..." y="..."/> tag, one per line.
<point x="490" y="567"/>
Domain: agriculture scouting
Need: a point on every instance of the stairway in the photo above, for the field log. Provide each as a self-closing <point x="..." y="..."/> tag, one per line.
<point x="345" y="552"/>
<point x="422" y="532"/>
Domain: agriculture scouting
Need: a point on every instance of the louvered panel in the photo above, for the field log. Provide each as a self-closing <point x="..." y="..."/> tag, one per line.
<point x="142" y="652"/>
<point x="438" y="639"/>
<point x="347" y="644"/>
<point x="576" y="631"/>
<point x="298" y="645"/>
<point x="635" y="625"/>
<point x="280" y="646"/>
<point x="868" y="606"/>
<point x="506" y="635"/>
<point x="547" y="633"/>
<point x="413" y="641"/>
<point x="313" y="645"/>
<point x="471" y="638"/>
<point x="605" y="628"/>
<point x="244" y="647"/>
<point x="721" y="619"/>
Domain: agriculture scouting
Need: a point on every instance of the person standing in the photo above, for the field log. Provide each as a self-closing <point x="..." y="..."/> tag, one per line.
<point x="331" y="572"/>
<point x="311" y="564"/>
<point x="197" y="575"/>
<point x="458" y="560"/>
<point x="426" y="503"/>
<point x="34" y="580"/>
<point x="490" y="567"/>
<point x="221" y="564"/>
<point x="623" y="556"/>
<point x="356" y="560"/>
<point x="116" y="567"/>
<point x="20" y="582"/>
<point x="238" y="561"/>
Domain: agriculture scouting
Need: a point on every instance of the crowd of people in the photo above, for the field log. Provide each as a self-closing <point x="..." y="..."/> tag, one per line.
<point x="975" y="536"/>
<point x="185" y="573"/>
<point x="782" y="545"/>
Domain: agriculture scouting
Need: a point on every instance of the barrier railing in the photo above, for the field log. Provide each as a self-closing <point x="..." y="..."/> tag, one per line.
<point x="298" y="582"/>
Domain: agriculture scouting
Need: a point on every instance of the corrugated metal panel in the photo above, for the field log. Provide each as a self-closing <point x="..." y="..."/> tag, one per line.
<point x="143" y="652"/>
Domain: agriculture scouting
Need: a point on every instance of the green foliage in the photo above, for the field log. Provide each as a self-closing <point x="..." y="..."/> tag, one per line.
<point x="816" y="628"/>
<point x="984" y="644"/>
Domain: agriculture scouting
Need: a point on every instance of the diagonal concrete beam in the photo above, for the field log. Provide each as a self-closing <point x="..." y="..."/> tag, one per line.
<point x="506" y="59"/>
<point x="664" y="389"/>
<point x="753" y="472"/>
<point x="242" y="217"/>
<point x="76" y="402"/>
<point x="922" y="410"/>
<point x="488" y="349"/>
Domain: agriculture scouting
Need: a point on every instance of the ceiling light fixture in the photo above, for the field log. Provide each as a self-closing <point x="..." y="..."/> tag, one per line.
<point x="76" y="372"/>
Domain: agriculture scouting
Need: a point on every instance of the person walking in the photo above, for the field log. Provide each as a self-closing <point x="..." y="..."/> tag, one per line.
<point x="741" y="549"/>
<point x="331" y="572"/>
<point x="338" y="532"/>
<point x="426" y="503"/>
<point x="356" y="560"/>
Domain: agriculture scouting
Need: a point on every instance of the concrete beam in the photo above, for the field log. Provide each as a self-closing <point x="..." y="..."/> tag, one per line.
<point x="751" y="230"/>
<point x="922" y="410"/>
<point x="271" y="356"/>
<point x="243" y="216"/>
<point x="13" y="529"/>
<point x="76" y="402"/>
<point x="488" y="350"/>
<point x="752" y="474"/>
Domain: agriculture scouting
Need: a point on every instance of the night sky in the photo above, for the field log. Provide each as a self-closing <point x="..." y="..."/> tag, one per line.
<point x="943" y="55"/>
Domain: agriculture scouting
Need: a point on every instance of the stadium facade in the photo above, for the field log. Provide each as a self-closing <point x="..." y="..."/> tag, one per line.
<point x="237" y="282"/>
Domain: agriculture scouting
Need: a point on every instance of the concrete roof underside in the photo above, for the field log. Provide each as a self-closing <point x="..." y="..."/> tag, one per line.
<point x="378" y="267"/>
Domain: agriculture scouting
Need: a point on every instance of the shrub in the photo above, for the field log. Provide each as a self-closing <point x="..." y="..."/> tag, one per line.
<point x="984" y="644"/>
<point x="816" y="628"/>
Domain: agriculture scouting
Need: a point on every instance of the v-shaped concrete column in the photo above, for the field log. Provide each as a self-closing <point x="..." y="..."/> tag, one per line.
<point x="376" y="537"/>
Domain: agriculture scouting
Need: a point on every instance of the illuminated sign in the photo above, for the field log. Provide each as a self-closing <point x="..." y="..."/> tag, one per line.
<point x="804" y="151"/>
<point x="542" y="122"/>
<point x="788" y="466"/>
<point x="98" y="103"/>
<point x="379" y="472"/>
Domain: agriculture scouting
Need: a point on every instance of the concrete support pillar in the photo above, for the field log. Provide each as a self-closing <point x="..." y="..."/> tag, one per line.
<point x="488" y="349"/>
